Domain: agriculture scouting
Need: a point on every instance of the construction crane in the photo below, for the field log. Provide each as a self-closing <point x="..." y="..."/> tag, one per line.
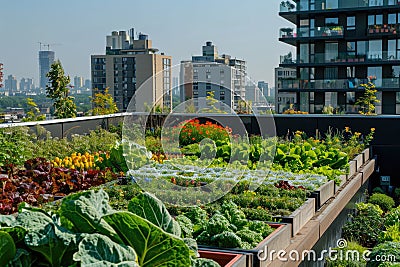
<point x="46" y="45"/>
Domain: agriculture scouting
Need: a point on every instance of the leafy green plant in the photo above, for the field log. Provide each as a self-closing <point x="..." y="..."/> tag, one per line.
<point x="100" y="250"/>
<point x="387" y="249"/>
<point x="392" y="233"/>
<point x="392" y="217"/>
<point x="58" y="91"/>
<point x="383" y="201"/>
<point x="368" y="100"/>
<point x="7" y="248"/>
<point x="366" y="226"/>
<point x="90" y="233"/>
<point x="341" y="259"/>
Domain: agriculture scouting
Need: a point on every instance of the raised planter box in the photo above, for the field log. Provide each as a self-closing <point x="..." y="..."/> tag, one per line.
<point x="368" y="170"/>
<point x="352" y="168"/>
<point x="277" y="240"/>
<point x="360" y="160"/>
<point x="300" y="216"/>
<point x="323" y="193"/>
<point x="224" y="258"/>
<point x="367" y="154"/>
<point x="343" y="179"/>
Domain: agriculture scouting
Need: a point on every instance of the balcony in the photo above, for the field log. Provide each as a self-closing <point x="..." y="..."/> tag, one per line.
<point x="371" y="57"/>
<point x="335" y="85"/>
<point x="384" y="29"/>
<point x="290" y="35"/>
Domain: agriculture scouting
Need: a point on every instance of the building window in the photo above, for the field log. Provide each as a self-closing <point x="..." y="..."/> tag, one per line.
<point x="331" y="52"/>
<point x="208" y="86"/>
<point x="331" y="21"/>
<point x="376" y="74"/>
<point x="375" y="49"/>
<point x="375" y="20"/>
<point x="397" y="102"/>
<point x="351" y="23"/>
<point x="222" y="97"/>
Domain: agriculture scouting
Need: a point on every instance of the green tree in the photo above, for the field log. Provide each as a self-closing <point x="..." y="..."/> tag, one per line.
<point x="211" y="103"/>
<point x="103" y="103"/>
<point x="368" y="100"/>
<point x="58" y="90"/>
<point x="33" y="113"/>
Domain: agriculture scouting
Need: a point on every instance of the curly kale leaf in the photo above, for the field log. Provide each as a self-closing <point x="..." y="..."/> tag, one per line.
<point x="249" y="236"/>
<point x="234" y="215"/>
<point x="227" y="240"/>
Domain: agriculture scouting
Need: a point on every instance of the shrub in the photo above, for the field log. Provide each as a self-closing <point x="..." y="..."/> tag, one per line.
<point x="378" y="190"/>
<point x="350" y="262"/>
<point x="392" y="217"/>
<point x="366" y="226"/>
<point x="383" y="201"/>
<point x="391" y="249"/>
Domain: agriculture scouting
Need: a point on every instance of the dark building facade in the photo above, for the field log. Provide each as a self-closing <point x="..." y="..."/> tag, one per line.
<point x="341" y="44"/>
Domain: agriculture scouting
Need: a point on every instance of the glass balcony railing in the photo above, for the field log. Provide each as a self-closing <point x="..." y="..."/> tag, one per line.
<point x="311" y="32"/>
<point x="317" y="5"/>
<point x="337" y="84"/>
<point x="323" y="58"/>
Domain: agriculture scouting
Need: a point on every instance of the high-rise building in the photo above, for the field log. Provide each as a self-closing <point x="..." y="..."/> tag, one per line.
<point x="130" y="64"/>
<point x="223" y="75"/>
<point x="88" y="84"/>
<point x="340" y="45"/>
<point x="264" y="87"/>
<point x="78" y="82"/>
<point x="11" y="84"/>
<point x="1" y="75"/>
<point x="283" y="99"/>
<point x="26" y="85"/>
<point x="46" y="58"/>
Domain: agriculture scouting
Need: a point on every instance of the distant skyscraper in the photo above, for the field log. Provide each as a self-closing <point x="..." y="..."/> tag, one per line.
<point x="263" y="86"/>
<point x="26" y="85"/>
<point x="1" y="75"/>
<point x="11" y="84"/>
<point x="88" y="84"/>
<point x="78" y="82"/>
<point x="46" y="58"/>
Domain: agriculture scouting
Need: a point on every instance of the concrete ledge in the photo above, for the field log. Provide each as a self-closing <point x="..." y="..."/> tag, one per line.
<point x="368" y="170"/>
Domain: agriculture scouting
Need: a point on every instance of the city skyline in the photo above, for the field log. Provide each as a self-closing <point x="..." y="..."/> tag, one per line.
<point x="75" y="30"/>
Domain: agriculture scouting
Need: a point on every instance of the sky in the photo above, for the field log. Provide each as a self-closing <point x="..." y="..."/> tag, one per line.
<point x="76" y="29"/>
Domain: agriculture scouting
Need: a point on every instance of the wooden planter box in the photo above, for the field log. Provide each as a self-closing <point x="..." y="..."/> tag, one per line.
<point x="360" y="160"/>
<point x="277" y="240"/>
<point x="323" y="194"/>
<point x="368" y="170"/>
<point x="343" y="180"/>
<point x="224" y="258"/>
<point x="352" y="168"/>
<point x="300" y="216"/>
<point x="366" y="154"/>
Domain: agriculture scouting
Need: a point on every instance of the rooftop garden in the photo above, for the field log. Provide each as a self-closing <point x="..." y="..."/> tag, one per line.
<point x="63" y="199"/>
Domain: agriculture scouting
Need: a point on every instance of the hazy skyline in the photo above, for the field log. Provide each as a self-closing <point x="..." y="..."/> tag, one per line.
<point x="77" y="29"/>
